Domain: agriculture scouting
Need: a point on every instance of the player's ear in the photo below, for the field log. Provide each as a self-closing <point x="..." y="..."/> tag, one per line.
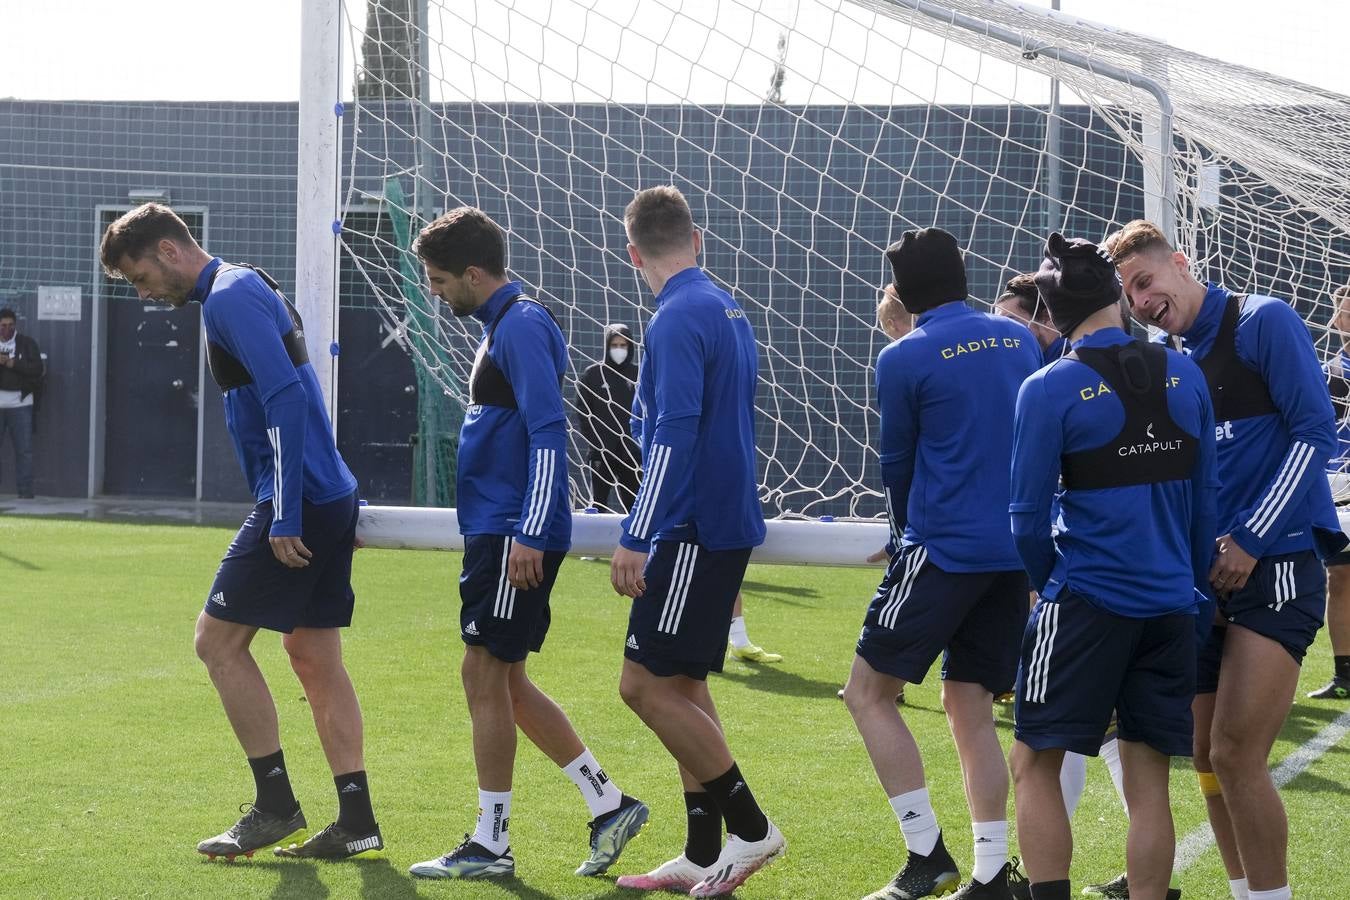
<point x="634" y="256"/>
<point x="698" y="242"/>
<point x="168" y="250"/>
<point x="1181" y="262"/>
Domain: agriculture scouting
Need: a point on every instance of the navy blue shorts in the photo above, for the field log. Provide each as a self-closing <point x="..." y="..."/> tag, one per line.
<point x="679" y="625"/>
<point x="1080" y="663"/>
<point x="510" y="623"/>
<point x="253" y="588"/>
<point x="972" y="619"/>
<point x="1285" y="599"/>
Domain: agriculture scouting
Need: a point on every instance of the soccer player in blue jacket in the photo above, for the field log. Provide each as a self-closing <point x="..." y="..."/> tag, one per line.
<point x="289" y="567"/>
<point x="1338" y="567"/>
<point x="686" y="542"/>
<point x="511" y="484"/>
<point x="955" y="587"/>
<point x="1022" y="301"/>
<point x="1112" y="444"/>
<point x="1275" y="430"/>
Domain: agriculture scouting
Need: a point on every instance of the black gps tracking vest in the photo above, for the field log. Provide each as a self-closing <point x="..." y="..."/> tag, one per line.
<point x="487" y="383"/>
<point x="228" y="371"/>
<point x="1236" y="390"/>
<point x="1151" y="447"/>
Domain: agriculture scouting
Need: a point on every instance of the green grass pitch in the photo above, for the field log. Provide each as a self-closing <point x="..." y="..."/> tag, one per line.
<point x="115" y="757"/>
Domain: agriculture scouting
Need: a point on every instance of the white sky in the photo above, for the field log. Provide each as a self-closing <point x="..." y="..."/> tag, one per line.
<point x="249" y="49"/>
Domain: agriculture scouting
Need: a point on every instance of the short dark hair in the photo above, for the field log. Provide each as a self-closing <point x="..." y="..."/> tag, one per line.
<point x="1021" y="289"/>
<point x="658" y="220"/>
<point x="8" y="313"/>
<point x="463" y="237"/>
<point x="136" y="232"/>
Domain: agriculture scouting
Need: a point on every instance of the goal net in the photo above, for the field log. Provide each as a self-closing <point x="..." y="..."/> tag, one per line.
<point x="807" y="134"/>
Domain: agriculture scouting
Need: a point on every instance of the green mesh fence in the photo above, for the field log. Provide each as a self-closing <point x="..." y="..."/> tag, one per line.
<point x="436" y="443"/>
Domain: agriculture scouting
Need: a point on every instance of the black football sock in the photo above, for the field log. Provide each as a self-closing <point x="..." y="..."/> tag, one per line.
<point x="703" y="840"/>
<point x="273" y="785"/>
<point x="354" y="812"/>
<point x="1050" y="890"/>
<point x="1343" y="666"/>
<point x="732" y="795"/>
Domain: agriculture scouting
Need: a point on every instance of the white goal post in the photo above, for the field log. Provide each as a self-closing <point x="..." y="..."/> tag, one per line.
<point x="806" y="134"/>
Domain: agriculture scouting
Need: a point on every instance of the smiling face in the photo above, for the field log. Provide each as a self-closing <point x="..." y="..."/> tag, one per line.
<point x="1161" y="290"/>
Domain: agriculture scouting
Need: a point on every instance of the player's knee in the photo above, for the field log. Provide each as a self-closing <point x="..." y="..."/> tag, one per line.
<point x="211" y="649"/>
<point x="1228" y="753"/>
<point x="856" y="697"/>
<point x="633" y="691"/>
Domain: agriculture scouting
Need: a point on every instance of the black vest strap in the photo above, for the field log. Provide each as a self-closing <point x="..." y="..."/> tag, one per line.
<point x="488" y="385"/>
<point x="1151" y="447"/>
<point x="228" y="371"/>
<point x="1237" y="390"/>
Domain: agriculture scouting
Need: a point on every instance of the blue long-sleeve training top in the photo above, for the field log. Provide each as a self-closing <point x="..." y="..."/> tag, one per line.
<point x="946" y="393"/>
<point x="278" y="422"/>
<point x="1274" y="497"/>
<point x="511" y="476"/>
<point x="696" y="398"/>
<point x="1140" y="550"/>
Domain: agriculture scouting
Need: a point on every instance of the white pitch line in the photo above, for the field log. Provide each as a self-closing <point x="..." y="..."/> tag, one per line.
<point x="1192" y="846"/>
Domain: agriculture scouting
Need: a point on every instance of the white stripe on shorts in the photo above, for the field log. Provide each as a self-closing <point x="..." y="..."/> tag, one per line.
<point x="683" y="570"/>
<point x="1038" y="672"/>
<point x="900" y="592"/>
<point x="505" y="603"/>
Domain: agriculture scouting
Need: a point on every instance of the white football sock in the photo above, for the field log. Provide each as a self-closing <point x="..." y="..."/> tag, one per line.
<point x="601" y="794"/>
<point x="1072" y="780"/>
<point x="991" y="848"/>
<point x="918" y="822"/>
<point x="494" y="818"/>
<point x="1239" y="888"/>
<point x="739" y="638"/>
<point x="1111" y="756"/>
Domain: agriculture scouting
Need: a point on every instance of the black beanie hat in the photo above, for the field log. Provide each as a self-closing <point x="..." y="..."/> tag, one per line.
<point x="1076" y="279"/>
<point x="928" y="269"/>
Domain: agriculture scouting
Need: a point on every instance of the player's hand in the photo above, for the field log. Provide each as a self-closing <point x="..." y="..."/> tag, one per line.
<point x="1232" y="566"/>
<point x="880" y="556"/>
<point x="625" y="572"/>
<point x="291" y="552"/>
<point x="524" y="567"/>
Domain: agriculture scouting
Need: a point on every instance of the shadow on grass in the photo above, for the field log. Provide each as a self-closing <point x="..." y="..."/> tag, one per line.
<point x="21" y="563"/>
<point x="299" y="879"/>
<point x="778" y="681"/>
<point x="785" y="590"/>
<point x="379" y="879"/>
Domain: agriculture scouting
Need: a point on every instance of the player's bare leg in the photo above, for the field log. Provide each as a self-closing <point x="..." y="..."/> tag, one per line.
<point x="1338" y="628"/>
<point x="1202" y="711"/>
<point x="1043" y="832"/>
<point x="1256" y="689"/>
<point x="1152" y="838"/>
<point x="224" y="648"/>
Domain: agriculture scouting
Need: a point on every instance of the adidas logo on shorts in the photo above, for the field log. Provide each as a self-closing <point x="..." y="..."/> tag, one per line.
<point x="218" y="598"/>
<point x="632" y="643"/>
<point x="471" y="628"/>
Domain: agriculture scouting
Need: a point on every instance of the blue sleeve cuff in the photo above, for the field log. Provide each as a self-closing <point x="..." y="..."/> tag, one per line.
<point x="629" y="542"/>
<point x="1248" y="542"/>
<point x="534" y="543"/>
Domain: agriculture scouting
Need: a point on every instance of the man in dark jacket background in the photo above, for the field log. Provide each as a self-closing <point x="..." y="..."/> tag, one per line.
<point x="20" y="376"/>
<point x="604" y="404"/>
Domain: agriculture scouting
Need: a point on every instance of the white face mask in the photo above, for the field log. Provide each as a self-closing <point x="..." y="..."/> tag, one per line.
<point x="619" y="355"/>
